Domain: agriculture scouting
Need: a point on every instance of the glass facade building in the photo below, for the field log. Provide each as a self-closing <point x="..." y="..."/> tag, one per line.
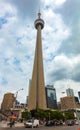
<point x="51" y="97"/>
<point x="79" y="95"/>
<point x="69" y="92"/>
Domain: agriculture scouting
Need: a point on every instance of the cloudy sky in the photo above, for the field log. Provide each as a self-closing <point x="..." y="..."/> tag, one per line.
<point x="60" y="39"/>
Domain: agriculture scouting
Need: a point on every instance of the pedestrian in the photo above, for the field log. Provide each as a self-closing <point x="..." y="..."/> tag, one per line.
<point x="11" y="122"/>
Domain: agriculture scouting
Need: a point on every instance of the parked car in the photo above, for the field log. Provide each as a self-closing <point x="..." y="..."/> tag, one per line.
<point x="70" y="122"/>
<point x="76" y="122"/>
<point x="32" y="123"/>
<point x="49" y="123"/>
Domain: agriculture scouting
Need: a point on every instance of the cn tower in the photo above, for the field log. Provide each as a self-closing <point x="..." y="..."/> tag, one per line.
<point x="37" y="96"/>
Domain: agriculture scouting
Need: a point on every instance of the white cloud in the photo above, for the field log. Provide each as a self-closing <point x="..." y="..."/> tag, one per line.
<point x="59" y="2"/>
<point x="53" y="3"/>
<point x="55" y="31"/>
<point x="7" y="8"/>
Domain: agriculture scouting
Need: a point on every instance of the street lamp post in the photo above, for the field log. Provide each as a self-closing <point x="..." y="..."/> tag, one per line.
<point x="16" y="96"/>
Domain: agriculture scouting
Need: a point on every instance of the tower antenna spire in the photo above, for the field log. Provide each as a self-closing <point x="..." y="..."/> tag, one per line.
<point x="39" y="14"/>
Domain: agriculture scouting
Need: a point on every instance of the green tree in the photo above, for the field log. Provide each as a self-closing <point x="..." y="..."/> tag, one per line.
<point x="54" y="115"/>
<point x="69" y="115"/>
<point x="58" y="115"/>
<point x="25" y="115"/>
<point x="48" y="114"/>
<point x="39" y="113"/>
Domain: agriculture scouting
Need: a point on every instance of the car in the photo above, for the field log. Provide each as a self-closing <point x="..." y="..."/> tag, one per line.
<point x="49" y="123"/>
<point x="32" y="123"/>
<point x="70" y="122"/>
<point x="76" y="123"/>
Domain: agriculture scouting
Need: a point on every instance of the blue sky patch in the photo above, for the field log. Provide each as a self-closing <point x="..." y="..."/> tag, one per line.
<point x="47" y="7"/>
<point x="4" y="81"/>
<point x="2" y="21"/>
<point x="16" y="61"/>
<point x="27" y="57"/>
<point x="18" y="40"/>
<point x="6" y="60"/>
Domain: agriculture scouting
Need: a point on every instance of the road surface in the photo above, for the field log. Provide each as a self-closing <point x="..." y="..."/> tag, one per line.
<point x="75" y="127"/>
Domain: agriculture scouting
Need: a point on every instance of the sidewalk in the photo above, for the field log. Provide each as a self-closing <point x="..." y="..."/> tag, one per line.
<point x="3" y="124"/>
<point x="19" y="124"/>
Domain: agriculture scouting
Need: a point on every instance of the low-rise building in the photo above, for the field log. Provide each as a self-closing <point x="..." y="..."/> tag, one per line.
<point x="70" y="103"/>
<point x="8" y="101"/>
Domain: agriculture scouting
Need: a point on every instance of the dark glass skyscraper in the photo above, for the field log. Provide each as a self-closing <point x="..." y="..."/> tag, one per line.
<point x="51" y="97"/>
<point x="79" y="95"/>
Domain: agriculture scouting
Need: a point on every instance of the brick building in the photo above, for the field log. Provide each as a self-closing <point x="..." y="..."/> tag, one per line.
<point x="8" y="101"/>
<point x="69" y="102"/>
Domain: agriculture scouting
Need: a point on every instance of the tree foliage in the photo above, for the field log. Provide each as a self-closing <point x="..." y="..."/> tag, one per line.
<point x="25" y="114"/>
<point x="69" y="115"/>
<point x="48" y="114"/>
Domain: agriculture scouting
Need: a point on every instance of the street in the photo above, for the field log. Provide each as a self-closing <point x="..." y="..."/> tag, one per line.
<point x="45" y="128"/>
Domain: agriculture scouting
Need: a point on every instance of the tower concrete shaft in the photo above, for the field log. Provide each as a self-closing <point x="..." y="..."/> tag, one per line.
<point x="37" y="96"/>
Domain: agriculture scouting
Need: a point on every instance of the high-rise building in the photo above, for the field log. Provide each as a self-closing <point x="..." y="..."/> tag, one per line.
<point x="37" y="96"/>
<point x="69" y="92"/>
<point x="8" y="101"/>
<point x="51" y="97"/>
<point x="79" y="95"/>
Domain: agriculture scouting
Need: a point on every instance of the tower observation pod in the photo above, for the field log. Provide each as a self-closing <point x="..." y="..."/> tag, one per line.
<point x="39" y="21"/>
<point x="37" y="95"/>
